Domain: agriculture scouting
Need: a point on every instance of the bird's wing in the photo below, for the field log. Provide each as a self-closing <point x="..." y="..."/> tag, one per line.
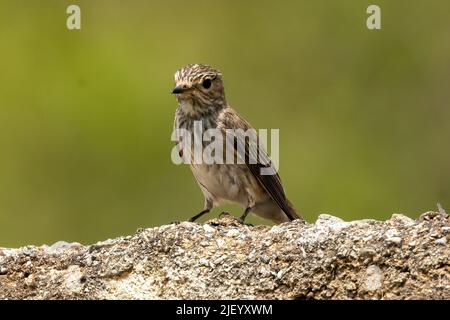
<point x="229" y="119"/>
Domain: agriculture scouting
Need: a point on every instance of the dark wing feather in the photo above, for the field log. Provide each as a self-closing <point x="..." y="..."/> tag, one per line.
<point x="229" y="119"/>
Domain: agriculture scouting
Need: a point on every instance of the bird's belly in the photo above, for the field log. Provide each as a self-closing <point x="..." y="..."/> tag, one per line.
<point x="225" y="181"/>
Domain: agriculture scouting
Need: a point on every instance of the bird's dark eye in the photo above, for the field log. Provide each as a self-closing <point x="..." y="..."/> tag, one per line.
<point x="206" y="83"/>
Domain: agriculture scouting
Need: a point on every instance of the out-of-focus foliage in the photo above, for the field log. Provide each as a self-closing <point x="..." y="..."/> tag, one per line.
<point x="86" y="116"/>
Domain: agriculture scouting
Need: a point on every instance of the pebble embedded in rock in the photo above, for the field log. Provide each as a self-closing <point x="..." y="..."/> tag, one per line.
<point x="232" y="233"/>
<point x="395" y="240"/>
<point x="264" y="259"/>
<point x="374" y="277"/>
<point x="208" y="229"/>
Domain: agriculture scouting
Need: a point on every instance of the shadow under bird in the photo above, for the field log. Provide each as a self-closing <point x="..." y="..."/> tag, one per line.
<point x="201" y="99"/>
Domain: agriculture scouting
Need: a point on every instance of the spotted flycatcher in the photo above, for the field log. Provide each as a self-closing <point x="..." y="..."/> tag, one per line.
<point x="201" y="100"/>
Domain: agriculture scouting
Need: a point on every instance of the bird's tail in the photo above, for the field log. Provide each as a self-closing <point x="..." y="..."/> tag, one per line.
<point x="292" y="213"/>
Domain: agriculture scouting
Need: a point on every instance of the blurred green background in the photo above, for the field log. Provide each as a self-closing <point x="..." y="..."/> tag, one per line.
<point x="86" y="116"/>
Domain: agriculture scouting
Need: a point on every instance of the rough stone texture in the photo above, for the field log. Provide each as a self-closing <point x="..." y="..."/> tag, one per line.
<point x="397" y="259"/>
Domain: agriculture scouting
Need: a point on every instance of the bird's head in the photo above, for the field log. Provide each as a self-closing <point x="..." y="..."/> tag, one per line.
<point x="200" y="86"/>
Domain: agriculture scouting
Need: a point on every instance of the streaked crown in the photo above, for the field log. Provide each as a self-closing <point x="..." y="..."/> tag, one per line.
<point x="196" y="73"/>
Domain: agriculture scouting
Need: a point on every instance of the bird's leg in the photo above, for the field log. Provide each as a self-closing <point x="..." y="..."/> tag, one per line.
<point x="241" y="219"/>
<point x="199" y="215"/>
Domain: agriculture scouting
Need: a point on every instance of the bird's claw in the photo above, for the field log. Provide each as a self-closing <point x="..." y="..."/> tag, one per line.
<point x="242" y="221"/>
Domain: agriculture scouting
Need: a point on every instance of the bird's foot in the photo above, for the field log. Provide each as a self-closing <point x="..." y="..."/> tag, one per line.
<point x="242" y="221"/>
<point x="224" y="214"/>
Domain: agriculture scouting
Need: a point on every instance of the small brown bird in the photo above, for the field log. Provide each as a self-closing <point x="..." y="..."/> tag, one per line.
<point x="201" y="97"/>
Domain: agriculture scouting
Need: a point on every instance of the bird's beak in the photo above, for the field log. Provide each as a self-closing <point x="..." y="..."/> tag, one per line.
<point x="178" y="89"/>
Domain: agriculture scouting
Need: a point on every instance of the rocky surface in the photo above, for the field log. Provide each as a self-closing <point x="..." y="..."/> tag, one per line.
<point x="399" y="258"/>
